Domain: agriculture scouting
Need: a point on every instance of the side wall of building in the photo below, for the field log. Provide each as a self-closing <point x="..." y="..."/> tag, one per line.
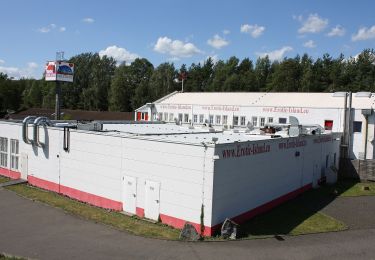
<point x="95" y="168"/>
<point x="252" y="178"/>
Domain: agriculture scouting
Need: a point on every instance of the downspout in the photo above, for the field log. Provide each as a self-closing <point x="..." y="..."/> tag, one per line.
<point x="344" y="137"/>
<point x="365" y="137"/>
<point x="349" y="125"/>
<point x="203" y="183"/>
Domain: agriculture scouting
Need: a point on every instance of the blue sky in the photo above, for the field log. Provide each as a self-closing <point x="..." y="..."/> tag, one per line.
<point x="179" y="31"/>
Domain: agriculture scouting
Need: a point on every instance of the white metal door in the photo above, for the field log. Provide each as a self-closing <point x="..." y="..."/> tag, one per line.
<point x="152" y="200"/>
<point x="24" y="167"/>
<point x="129" y="194"/>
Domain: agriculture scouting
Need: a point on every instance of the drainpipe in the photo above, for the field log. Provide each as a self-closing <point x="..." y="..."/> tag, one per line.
<point x="365" y="137"/>
<point x="350" y="123"/>
<point x="344" y="137"/>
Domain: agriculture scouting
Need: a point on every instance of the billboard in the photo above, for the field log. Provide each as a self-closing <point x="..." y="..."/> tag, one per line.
<point x="59" y="71"/>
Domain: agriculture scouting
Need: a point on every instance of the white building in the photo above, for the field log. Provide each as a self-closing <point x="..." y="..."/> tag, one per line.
<point x="166" y="172"/>
<point x="237" y="109"/>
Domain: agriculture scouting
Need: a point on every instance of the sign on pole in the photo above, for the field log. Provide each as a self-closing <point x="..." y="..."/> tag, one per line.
<point x="59" y="71"/>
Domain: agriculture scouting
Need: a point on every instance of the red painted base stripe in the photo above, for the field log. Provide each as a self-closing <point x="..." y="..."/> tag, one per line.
<point x="76" y="194"/>
<point x="47" y="185"/>
<point x="179" y="223"/>
<point x="9" y="173"/>
<point x="140" y="212"/>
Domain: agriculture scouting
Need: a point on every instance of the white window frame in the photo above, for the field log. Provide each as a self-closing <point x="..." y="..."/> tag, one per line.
<point x="186" y="118"/>
<point x="270" y="120"/>
<point x="243" y="120"/>
<point x="262" y="121"/>
<point x="171" y="117"/>
<point x="225" y="119"/>
<point x="4" y="152"/>
<point x="180" y="117"/>
<point x="14" y="154"/>
<point x="217" y="120"/>
<point x="236" y="118"/>
<point x="211" y="119"/>
<point x="160" y="115"/>
<point x="195" y="118"/>
<point x="254" y="121"/>
<point x="166" y="116"/>
<point x="201" y="118"/>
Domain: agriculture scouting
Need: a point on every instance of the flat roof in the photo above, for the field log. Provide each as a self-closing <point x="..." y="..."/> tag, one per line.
<point x="268" y="99"/>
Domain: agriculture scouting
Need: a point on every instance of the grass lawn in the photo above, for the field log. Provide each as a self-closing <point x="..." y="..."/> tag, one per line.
<point x="3" y="179"/>
<point x="299" y="216"/>
<point x="7" y="257"/>
<point x="296" y="217"/>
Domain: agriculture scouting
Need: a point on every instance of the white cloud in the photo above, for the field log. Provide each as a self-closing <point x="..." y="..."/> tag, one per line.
<point x="254" y="30"/>
<point x="364" y="33"/>
<point x="88" y="20"/>
<point x="313" y="24"/>
<point x="217" y="42"/>
<point x="50" y="27"/>
<point x="226" y="32"/>
<point x="2" y="61"/>
<point x="176" y="48"/>
<point x="276" y="54"/>
<point x="119" y="54"/>
<point x="30" y="71"/>
<point x="309" y="44"/>
<point x="336" y="31"/>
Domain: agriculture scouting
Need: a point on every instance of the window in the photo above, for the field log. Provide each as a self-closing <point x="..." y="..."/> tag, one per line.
<point x="328" y="124"/>
<point x="160" y="115"/>
<point x="357" y="127"/>
<point x="195" y="118"/>
<point x="225" y="120"/>
<point x="154" y="116"/>
<point x="14" y="154"/>
<point x="218" y="120"/>
<point x="171" y="119"/>
<point x="270" y="120"/>
<point x="282" y="120"/>
<point x="201" y="119"/>
<point x="186" y="118"/>
<point x="243" y="120"/>
<point x="254" y="121"/>
<point x="180" y="117"/>
<point x="235" y="120"/>
<point x="165" y="116"/>
<point x="3" y="152"/>
<point x="262" y="121"/>
<point x="211" y="119"/>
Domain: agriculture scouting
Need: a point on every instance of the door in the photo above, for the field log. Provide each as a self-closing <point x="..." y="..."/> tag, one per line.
<point x="24" y="167"/>
<point x="152" y="202"/>
<point x="129" y="200"/>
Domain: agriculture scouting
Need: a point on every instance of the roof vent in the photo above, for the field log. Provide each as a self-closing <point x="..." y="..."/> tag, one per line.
<point x="363" y="94"/>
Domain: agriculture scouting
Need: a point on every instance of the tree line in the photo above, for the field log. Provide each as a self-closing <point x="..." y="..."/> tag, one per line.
<point x="101" y="85"/>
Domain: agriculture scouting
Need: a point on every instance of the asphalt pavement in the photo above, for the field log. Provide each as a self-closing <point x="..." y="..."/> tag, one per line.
<point x="38" y="231"/>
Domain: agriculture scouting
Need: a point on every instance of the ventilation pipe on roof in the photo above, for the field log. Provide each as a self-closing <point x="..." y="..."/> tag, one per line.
<point x="44" y="121"/>
<point x="25" y="129"/>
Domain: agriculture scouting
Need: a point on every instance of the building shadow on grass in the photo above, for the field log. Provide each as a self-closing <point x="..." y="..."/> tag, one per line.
<point x="299" y="215"/>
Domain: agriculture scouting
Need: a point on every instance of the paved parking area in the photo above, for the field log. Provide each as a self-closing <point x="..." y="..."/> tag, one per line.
<point x="356" y="212"/>
<point x="38" y="231"/>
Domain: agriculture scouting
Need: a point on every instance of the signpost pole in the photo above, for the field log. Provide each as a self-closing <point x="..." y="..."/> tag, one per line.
<point x="57" y="104"/>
